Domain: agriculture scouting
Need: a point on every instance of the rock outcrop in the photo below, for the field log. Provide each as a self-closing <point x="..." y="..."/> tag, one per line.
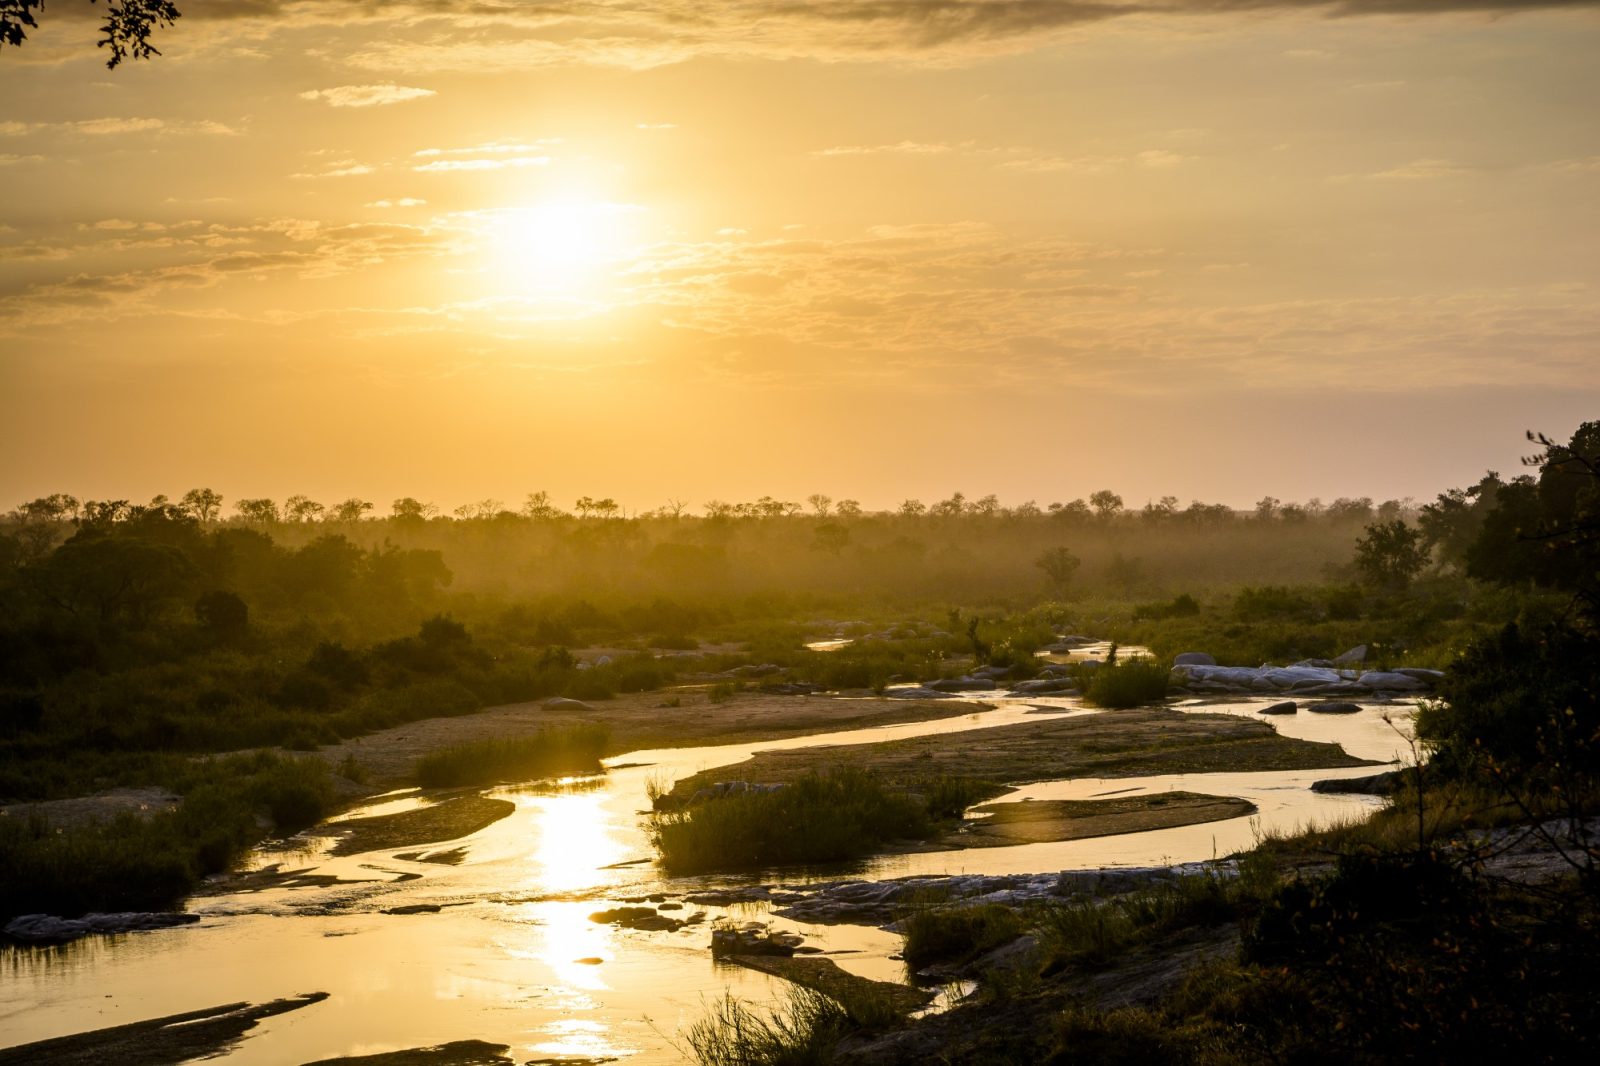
<point x="1309" y="677"/>
<point x="48" y="929"/>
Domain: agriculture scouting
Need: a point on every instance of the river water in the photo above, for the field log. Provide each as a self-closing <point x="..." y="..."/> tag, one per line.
<point x="510" y="957"/>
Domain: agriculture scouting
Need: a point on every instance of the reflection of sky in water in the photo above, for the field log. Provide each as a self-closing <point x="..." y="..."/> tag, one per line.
<point x="500" y="961"/>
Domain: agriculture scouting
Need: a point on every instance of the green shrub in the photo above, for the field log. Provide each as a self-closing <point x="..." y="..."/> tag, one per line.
<point x="552" y="751"/>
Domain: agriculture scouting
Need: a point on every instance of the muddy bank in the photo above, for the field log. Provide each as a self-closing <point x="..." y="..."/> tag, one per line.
<point x="826" y="976"/>
<point x="637" y="721"/>
<point x="1050" y="821"/>
<point x="448" y="820"/>
<point x="175" y="1038"/>
<point x="455" y="1053"/>
<point x="1143" y="741"/>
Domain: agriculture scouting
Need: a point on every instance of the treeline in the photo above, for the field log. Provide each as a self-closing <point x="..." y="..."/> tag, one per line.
<point x="206" y="505"/>
<point x="953" y="551"/>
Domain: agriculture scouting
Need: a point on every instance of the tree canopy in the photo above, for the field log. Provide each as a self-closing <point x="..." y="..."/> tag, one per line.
<point x="125" y="32"/>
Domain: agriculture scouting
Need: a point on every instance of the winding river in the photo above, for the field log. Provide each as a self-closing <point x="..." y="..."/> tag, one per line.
<point x="511" y="956"/>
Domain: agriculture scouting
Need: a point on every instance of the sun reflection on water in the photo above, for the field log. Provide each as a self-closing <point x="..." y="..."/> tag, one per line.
<point x="575" y="838"/>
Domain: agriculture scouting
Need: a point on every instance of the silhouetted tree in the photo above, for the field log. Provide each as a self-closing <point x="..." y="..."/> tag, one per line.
<point x="1105" y="502"/>
<point x="1391" y="554"/>
<point x="1058" y="564"/>
<point x="57" y="507"/>
<point x="349" y="510"/>
<point x="302" y="509"/>
<point x="261" y="510"/>
<point x="408" y="509"/>
<point x="125" y="31"/>
<point x="203" y="504"/>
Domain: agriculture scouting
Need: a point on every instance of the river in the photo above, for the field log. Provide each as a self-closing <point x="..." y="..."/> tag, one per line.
<point x="510" y="957"/>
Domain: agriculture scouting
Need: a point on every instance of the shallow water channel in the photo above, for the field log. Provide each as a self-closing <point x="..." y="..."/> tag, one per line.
<point x="511" y="957"/>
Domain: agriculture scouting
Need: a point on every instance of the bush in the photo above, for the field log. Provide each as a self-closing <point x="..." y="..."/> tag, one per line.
<point x="957" y="934"/>
<point x="1128" y="683"/>
<point x="1184" y="606"/>
<point x="553" y="751"/>
<point x="1525" y="704"/>
<point x="842" y="814"/>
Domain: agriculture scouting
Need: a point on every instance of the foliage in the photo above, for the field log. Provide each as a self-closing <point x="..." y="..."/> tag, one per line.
<point x="1128" y="683"/>
<point x="843" y="813"/>
<point x="1529" y="705"/>
<point x="1391" y="554"/>
<point x="804" y="1031"/>
<point x="552" y="751"/>
<point x="956" y="934"/>
<point x="125" y="32"/>
<point x="149" y="863"/>
<point x="1181" y="606"/>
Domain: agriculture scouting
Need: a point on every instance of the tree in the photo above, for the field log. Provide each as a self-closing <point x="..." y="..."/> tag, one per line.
<point x="951" y="508"/>
<point x="350" y="510"/>
<point x="587" y="507"/>
<point x="57" y="507"/>
<point x="820" y="504"/>
<point x="913" y="509"/>
<point x="1547" y="531"/>
<point x="1391" y="554"/>
<point x="114" y="577"/>
<point x="1452" y="522"/>
<point x="539" y="508"/>
<point x="848" y="509"/>
<point x="409" y="509"/>
<point x="302" y="509"/>
<point x="1058" y="564"/>
<point x="830" y="537"/>
<point x="1105" y="502"/>
<point x="125" y="32"/>
<point x="263" y="510"/>
<point x="203" y="504"/>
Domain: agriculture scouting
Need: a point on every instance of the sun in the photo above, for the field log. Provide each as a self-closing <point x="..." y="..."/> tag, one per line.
<point x="565" y="244"/>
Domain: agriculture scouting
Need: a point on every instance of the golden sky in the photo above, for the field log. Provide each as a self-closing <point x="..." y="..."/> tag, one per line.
<point x="874" y="248"/>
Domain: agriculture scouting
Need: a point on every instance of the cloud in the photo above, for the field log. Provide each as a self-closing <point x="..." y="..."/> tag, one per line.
<point x="439" y="165"/>
<point x="366" y="95"/>
<point x="899" y="148"/>
<point x="405" y="202"/>
<point x="1421" y="170"/>
<point x="201" y="256"/>
<point x="344" y="168"/>
<point x="502" y="35"/>
<point x="113" y="126"/>
<point x="1160" y="159"/>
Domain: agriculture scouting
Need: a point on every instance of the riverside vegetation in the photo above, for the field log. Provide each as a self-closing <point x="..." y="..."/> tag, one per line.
<point x="150" y="645"/>
<point x="1457" y="924"/>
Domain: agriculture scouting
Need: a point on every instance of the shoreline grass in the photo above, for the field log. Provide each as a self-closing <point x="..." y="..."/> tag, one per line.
<point x="551" y="752"/>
